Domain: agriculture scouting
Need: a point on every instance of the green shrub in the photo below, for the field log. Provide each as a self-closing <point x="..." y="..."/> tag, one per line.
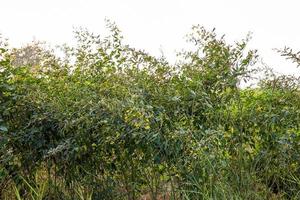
<point x="107" y="121"/>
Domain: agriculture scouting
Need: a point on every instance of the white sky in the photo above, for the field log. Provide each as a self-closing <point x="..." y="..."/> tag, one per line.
<point x="156" y="25"/>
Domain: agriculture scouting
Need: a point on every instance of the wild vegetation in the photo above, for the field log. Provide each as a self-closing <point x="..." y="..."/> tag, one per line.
<point x="107" y="121"/>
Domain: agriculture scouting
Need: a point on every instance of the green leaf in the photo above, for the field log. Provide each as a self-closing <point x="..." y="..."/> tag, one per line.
<point x="3" y="128"/>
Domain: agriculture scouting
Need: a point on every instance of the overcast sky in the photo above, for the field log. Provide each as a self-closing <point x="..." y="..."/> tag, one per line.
<point x="156" y="25"/>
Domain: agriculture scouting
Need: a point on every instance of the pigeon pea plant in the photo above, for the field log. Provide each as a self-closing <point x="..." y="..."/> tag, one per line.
<point x="107" y="121"/>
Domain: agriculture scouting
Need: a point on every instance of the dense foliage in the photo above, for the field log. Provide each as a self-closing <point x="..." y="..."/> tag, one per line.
<point x="107" y="121"/>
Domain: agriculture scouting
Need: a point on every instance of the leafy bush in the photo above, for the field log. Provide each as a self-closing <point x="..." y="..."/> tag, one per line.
<point x="107" y="121"/>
